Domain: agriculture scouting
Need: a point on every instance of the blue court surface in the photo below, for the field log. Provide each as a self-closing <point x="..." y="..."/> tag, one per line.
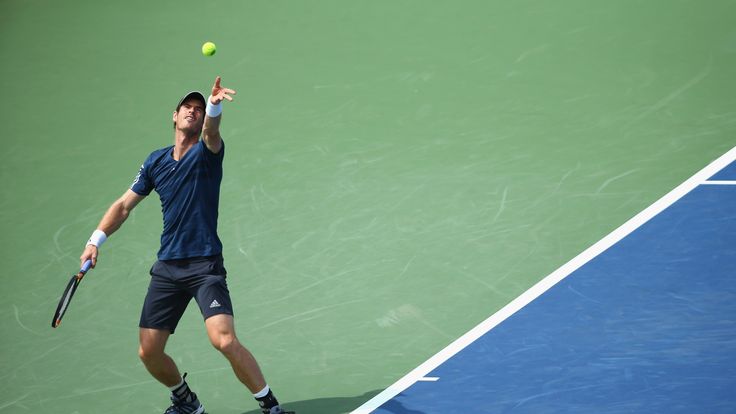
<point x="642" y="322"/>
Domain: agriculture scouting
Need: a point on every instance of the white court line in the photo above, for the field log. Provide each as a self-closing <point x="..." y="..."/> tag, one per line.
<point x="545" y="284"/>
<point x="719" y="182"/>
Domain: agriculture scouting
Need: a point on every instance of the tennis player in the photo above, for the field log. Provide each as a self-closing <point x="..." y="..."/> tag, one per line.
<point x="187" y="177"/>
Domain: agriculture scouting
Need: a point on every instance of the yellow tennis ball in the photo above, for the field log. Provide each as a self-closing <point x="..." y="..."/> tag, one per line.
<point x="209" y="49"/>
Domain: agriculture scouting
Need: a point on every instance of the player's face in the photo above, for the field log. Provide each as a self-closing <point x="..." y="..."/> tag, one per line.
<point x="190" y="116"/>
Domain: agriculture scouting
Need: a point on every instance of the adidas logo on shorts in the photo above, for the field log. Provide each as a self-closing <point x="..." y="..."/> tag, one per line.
<point x="214" y="304"/>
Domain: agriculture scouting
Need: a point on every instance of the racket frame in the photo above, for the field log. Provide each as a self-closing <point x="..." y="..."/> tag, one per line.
<point x="66" y="297"/>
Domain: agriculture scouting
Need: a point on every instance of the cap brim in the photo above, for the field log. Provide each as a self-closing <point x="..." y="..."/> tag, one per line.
<point x="193" y="94"/>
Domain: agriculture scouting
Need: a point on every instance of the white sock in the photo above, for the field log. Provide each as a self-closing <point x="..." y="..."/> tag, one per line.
<point x="262" y="393"/>
<point x="177" y="385"/>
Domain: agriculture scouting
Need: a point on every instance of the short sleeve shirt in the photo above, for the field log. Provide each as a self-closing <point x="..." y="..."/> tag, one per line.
<point x="189" y="190"/>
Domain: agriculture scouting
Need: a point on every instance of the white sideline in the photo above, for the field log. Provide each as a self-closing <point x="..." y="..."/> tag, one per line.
<point x="545" y="284"/>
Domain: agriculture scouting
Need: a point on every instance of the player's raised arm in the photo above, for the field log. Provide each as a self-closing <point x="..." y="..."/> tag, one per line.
<point x="211" y="130"/>
<point x="111" y="221"/>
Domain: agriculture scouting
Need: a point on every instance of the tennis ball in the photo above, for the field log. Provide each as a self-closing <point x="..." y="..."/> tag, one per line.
<point x="209" y="49"/>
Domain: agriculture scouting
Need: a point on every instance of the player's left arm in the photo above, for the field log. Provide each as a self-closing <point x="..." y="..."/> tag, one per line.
<point x="213" y="116"/>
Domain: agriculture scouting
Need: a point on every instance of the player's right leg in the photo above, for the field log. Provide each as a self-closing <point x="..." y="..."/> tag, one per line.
<point x="151" y="352"/>
<point x="164" y="369"/>
<point x="163" y="307"/>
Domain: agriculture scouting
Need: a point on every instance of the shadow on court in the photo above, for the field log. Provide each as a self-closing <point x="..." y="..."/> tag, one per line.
<point x="337" y="405"/>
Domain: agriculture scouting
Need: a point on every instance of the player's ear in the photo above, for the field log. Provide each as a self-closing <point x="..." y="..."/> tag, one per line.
<point x="174" y="119"/>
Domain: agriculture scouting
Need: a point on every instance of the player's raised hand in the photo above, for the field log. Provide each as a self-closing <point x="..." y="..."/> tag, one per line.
<point x="219" y="93"/>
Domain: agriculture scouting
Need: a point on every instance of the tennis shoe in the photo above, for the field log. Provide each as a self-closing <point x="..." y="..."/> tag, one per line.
<point x="182" y="407"/>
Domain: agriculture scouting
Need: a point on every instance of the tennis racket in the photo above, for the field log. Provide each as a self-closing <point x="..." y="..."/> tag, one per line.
<point x="66" y="297"/>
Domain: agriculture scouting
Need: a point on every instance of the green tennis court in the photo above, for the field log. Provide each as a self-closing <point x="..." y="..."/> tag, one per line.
<point x="396" y="172"/>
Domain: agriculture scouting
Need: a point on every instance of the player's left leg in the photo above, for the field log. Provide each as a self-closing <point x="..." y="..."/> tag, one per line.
<point x="222" y="335"/>
<point x="221" y="332"/>
<point x="209" y="289"/>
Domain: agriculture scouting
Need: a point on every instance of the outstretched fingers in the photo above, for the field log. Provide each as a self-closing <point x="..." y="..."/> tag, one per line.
<point x="219" y="93"/>
<point x="226" y="94"/>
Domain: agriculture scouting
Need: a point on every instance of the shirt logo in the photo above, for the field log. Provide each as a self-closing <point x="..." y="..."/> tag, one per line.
<point x="214" y="304"/>
<point x="138" y="176"/>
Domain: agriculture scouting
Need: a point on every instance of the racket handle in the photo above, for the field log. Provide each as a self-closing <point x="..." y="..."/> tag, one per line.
<point x="86" y="266"/>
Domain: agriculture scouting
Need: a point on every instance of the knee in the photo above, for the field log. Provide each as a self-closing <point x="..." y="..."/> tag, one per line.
<point x="146" y="353"/>
<point x="227" y="344"/>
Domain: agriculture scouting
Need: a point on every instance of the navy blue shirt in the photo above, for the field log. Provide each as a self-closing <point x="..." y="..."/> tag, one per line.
<point x="190" y="195"/>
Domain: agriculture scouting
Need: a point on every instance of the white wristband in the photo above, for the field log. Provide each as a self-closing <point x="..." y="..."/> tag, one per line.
<point x="97" y="238"/>
<point x="213" y="111"/>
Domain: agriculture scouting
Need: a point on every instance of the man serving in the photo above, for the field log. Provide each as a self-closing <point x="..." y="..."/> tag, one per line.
<point x="187" y="177"/>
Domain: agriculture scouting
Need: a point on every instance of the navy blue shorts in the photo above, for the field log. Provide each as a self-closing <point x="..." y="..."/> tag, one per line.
<point x="175" y="282"/>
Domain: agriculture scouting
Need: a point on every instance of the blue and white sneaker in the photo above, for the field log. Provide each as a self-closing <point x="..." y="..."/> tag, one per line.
<point x="182" y="407"/>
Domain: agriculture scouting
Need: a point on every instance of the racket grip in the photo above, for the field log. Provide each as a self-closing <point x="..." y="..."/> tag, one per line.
<point x="86" y="266"/>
